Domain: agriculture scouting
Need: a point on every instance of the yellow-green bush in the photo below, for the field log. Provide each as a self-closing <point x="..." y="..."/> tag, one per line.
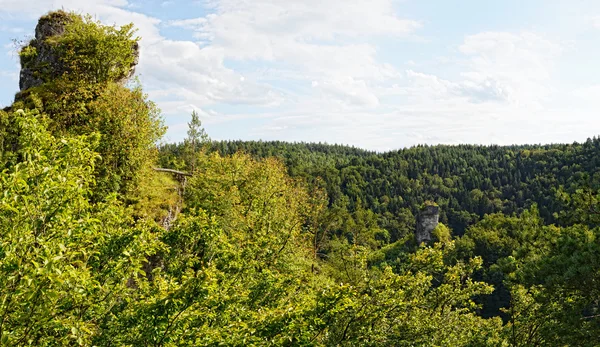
<point x="79" y="67"/>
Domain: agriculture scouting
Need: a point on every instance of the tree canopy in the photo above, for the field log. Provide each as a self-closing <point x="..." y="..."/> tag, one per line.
<point x="107" y="241"/>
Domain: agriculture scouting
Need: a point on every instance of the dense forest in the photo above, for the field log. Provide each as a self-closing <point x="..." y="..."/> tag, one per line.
<point x="108" y="239"/>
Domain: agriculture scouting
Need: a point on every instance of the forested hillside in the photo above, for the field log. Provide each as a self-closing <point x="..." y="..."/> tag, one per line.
<point x="467" y="181"/>
<point x="107" y="239"/>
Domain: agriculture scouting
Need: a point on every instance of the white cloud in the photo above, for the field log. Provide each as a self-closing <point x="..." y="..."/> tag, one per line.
<point x="308" y="19"/>
<point x="322" y="41"/>
<point x="588" y="93"/>
<point x="35" y="8"/>
<point x="499" y="95"/>
<point x="199" y="73"/>
<point x="318" y="40"/>
<point x="520" y="66"/>
<point x="314" y="70"/>
<point x="347" y="90"/>
<point x="428" y="86"/>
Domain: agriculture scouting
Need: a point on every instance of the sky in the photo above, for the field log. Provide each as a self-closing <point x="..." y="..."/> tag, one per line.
<point x="376" y="74"/>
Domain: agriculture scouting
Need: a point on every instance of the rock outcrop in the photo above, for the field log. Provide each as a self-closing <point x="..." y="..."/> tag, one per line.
<point x="427" y="220"/>
<point x="40" y="61"/>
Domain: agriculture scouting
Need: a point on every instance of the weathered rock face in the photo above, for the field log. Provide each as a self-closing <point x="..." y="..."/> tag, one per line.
<point x="428" y="219"/>
<point x="43" y="63"/>
<point x="52" y="24"/>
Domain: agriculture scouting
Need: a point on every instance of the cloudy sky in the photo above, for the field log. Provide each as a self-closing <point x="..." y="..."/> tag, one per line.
<point x="378" y="74"/>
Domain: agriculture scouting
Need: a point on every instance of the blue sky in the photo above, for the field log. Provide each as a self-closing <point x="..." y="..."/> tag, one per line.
<point x="378" y="74"/>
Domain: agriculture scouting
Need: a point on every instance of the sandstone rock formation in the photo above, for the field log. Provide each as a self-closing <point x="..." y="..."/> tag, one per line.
<point x="427" y="221"/>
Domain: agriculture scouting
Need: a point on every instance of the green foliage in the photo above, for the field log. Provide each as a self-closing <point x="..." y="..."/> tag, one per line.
<point x="130" y="125"/>
<point x="441" y="233"/>
<point x="253" y="201"/>
<point x="466" y="181"/>
<point x="127" y="122"/>
<point x="429" y="203"/>
<point x="426" y="303"/>
<point x="86" y="52"/>
<point x="64" y="263"/>
<point x="501" y="200"/>
<point x="313" y="248"/>
<point x="563" y="288"/>
<point x="85" y="64"/>
<point x="28" y="55"/>
<point x="157" y="197"/>
<point x="196" y="140"/>
<point x="237" y="270"/>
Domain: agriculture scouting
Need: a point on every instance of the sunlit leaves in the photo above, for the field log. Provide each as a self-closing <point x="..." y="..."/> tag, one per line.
<point x="64" y="263"/>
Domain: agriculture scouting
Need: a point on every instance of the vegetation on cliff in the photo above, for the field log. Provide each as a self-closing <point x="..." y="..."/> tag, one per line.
<point x="255" y="243"/>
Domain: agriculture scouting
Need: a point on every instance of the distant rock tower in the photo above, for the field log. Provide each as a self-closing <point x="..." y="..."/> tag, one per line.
<point x="427" y="220"/>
